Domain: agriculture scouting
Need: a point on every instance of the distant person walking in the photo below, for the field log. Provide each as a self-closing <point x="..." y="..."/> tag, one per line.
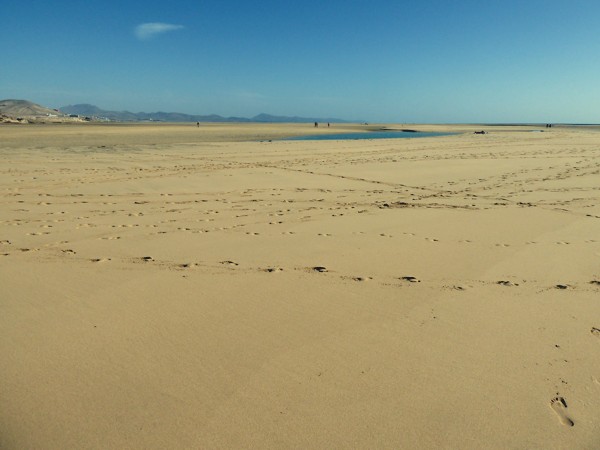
<point x="198" y="124"/>
<point x="316" y="124"/>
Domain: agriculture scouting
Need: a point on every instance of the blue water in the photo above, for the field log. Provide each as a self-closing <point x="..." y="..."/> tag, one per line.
<point x="367" y="135"/>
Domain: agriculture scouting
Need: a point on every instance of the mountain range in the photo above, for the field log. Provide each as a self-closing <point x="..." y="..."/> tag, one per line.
<point x="23" y="108"/>
<point x="127" y="116"/>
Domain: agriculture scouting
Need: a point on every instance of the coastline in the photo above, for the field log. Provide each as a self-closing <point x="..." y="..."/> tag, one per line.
<point x="171" y="133"/>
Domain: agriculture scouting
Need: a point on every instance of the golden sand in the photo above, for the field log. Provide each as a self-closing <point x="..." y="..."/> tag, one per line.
<point x="174" y="286"/>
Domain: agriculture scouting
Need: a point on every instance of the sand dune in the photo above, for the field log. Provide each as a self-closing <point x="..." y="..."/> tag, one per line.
<point x="179" y="287"/>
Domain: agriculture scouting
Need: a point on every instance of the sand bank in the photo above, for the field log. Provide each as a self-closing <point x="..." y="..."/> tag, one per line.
<point x="175" y="287"/>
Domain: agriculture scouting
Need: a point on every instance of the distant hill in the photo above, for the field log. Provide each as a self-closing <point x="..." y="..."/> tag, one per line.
<point x="126" y="116"/>
<point x="23" y="108"/>
<point x="20" y="108"/>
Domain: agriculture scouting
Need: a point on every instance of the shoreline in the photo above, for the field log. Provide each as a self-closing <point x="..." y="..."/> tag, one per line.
<point x="168" y="133"/>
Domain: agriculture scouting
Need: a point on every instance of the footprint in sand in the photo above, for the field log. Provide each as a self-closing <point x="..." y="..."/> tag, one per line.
<point x="559" y="406"/>
<point x="410" y="279"/>
<point x="595" y="331"/>
<point x="229" y="263"/>
<point x="506" y="283"/>
<point x="99" y="260"/>
<point x="362" y="278"/>
<point x="320" y="269"/>
<point x="274" y="269"/>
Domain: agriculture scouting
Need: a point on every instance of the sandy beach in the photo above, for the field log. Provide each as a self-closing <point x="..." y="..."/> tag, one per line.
<point x="173" y="286"/>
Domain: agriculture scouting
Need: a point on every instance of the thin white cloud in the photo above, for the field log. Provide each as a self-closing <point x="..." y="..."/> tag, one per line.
<point x="147" y="31"/>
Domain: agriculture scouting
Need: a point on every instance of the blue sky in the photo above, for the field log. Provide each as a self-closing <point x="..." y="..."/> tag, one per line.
<point x="380" y="61"/>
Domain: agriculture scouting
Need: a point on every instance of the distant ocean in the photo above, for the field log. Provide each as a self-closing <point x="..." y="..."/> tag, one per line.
<point x="368" y="135"/>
